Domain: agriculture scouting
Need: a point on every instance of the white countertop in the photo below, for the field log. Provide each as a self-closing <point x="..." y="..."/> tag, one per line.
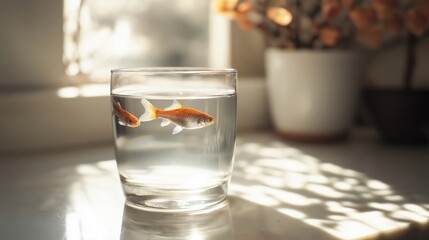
<point x="357" y="189"/>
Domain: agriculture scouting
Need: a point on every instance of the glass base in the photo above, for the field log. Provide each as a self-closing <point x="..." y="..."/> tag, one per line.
<point x="173" y="200"/>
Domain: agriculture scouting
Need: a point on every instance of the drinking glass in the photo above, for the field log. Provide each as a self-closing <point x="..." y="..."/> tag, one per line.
<point x="174" y="132"/>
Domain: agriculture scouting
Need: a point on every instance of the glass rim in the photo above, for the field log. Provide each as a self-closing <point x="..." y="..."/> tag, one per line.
<point x="175" y="70"/>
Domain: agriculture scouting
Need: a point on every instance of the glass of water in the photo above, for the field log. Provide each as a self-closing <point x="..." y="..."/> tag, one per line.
<point x="174" y="132"/>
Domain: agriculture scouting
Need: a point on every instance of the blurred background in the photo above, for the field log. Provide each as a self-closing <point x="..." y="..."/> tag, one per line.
<point x="56" y="58"/>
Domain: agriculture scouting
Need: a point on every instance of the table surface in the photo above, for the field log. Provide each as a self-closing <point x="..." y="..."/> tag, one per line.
<point x="356" y="189"/>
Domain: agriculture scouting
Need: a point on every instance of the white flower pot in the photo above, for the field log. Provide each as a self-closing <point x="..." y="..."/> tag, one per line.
<point x="313" y="93"/>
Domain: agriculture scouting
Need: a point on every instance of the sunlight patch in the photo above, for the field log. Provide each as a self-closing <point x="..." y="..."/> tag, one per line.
<point x="377" y="185"/>
<point x="325" y="191"/>
<point x="292" y="213"/>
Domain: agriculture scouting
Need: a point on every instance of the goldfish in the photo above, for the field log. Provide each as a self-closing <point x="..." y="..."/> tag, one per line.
<point x="182" y="117"/>
<point x="124" y="118"/>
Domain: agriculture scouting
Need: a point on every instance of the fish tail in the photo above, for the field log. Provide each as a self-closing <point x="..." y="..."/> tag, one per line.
<point x="116" y="107"/>
<point x="149" y="111"/>
<point x="115" y="104"/>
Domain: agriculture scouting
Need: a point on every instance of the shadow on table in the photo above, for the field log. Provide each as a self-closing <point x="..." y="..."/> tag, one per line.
<point x="323" y="199"/>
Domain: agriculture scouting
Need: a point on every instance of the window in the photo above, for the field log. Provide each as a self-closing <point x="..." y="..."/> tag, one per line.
<point x="103" y="34"/>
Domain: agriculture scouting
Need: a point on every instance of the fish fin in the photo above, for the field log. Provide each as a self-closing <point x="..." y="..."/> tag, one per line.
<point x="177" y="129"/>
<point x="175" y="105"/>
<point x="121" y="123"/>
<point x="165" y="122"/>
<point x="149" y="111"/>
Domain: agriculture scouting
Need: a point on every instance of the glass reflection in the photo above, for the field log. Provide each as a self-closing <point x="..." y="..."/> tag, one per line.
<point x="213" y="223"/>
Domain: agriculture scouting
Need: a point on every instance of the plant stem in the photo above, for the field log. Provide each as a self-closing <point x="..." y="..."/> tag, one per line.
<point x="410" y="61"/>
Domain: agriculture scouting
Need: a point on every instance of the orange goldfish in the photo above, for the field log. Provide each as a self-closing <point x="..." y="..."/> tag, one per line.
<point x="182" y="117"/>
<point x="124" y="118"/>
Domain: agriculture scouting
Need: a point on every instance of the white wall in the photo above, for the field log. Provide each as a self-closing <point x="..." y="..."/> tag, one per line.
<point x="247" y="52"/>
<point x="31" y="43"/>
<point x="40" y="120"/>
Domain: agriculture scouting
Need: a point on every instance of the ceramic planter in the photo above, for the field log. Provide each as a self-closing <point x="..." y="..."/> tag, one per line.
<point x="313" y="93"/>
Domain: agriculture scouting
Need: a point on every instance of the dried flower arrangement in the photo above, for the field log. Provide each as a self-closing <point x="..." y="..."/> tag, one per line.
<point x="380" y="21"/>
<point x="293" y="24"/>
<point x="316" y="24"/>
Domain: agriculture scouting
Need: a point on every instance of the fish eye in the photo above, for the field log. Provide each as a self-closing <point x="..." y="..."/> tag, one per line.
<point x="210" y="119"/>
<point x="129" y="120"/>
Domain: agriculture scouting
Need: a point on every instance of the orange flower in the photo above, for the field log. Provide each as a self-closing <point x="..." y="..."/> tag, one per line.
<point x="232" y="9"/>
<point x="237" y="12"/>
<point x="425" y="10"/>
<point x="371" y="36"/>
<point x="279" y="15"/>
<point x="363" y="17"/>
<point x="416" y="21"/>
<point x="244" y="23"/>
<point x="331" y="9"/>
<point x="349" y="4"/>
<point x="245" y="7"/>
<point x="384" y="8"/>
<point x="315" y="28"/>
<point x="330" y="36"/>
<point x="393" y="22"/>
<point x="243" y="10"/>
<point x="226" y="7"/>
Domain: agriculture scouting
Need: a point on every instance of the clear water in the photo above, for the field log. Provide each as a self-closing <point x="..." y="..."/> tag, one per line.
<point x="188" y="170"/>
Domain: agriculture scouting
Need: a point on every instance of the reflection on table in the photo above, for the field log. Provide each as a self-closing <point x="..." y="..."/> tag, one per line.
<point x="214" y="223"/>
